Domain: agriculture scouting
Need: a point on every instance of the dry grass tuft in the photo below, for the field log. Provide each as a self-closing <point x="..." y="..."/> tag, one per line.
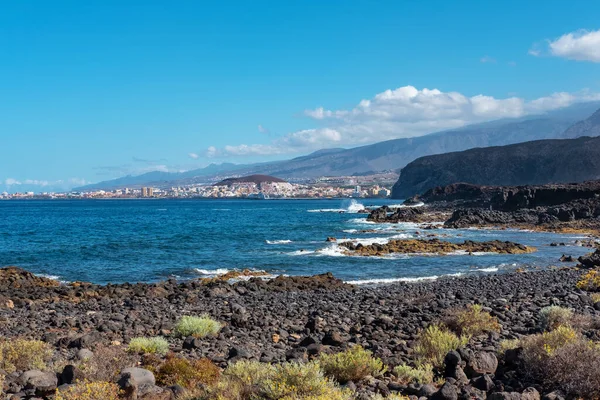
<point x="353" y="364"/>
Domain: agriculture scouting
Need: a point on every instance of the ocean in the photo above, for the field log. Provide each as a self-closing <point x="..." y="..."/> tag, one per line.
<point x="114" y="241"/>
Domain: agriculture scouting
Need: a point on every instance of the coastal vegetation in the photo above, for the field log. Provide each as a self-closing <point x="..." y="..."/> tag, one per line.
<point x="198" y="327"/>
<point x="154" y="345"/>
<point x="353" y="364"/>
<point x="434" y="342"/>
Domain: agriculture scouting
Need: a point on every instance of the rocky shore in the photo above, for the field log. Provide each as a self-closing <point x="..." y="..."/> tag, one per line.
<point x="435" y="246"/>
<point x="293" y="319"/>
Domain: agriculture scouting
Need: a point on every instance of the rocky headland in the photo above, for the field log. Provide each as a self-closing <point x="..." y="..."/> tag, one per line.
<point x="554" y="207"/>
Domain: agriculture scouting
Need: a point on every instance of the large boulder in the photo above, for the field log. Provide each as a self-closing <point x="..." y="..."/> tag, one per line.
<point x="39" y="382"/>
<point x="481" y="363"/>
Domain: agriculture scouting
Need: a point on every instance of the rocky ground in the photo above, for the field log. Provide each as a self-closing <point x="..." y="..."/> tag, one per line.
<point x="296" y="318"/>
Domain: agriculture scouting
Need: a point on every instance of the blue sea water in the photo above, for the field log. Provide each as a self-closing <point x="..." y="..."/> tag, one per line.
<point x="105" y="241"/>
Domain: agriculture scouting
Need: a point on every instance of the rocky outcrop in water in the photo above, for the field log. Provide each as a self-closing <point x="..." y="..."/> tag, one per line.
<point x="386" y="214"/>
<point x="435" y="246"/>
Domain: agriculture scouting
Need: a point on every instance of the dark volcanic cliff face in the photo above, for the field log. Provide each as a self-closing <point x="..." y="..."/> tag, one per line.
<point x="537" y="162"/>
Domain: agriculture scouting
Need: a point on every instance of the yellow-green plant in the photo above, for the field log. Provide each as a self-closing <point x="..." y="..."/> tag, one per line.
<point x="199" y="327"/>
<point x="472" y="321"/>
<point x="250" y="372"/>
<point x="22" y="354"/>
<point x="554" y="316"/>
<point x="353" y="364"/>
<point x="508" y="344"/>
<point x="294" y="380"/>
<point x="421" y="374"/>
<point x="435" y="342"/>
<point x="390" y="397"/>
<point x="590" y="281"/>
<point x="144" y="345"/>
<point x="89" y="391"/>
<point x="595" y="297"/>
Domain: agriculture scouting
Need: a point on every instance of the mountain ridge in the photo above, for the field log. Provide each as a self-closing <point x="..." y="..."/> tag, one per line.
<point x="390" y="155"/>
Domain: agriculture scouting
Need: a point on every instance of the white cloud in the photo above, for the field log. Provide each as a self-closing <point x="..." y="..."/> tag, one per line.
<point x="60" y="184"/>
<point x="488" y="59"/>
<point x="400" y="113"/>
<point x="194" y="156"/>
<point x="11" y="181"/>
<point x="211" y="152"/>
<point x="262" y="129"/>
<point x="581" y="45"/>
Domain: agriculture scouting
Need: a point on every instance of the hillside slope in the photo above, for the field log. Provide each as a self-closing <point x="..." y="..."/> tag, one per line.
<point x="382" y="156"/>
<point x="535" y="162"/>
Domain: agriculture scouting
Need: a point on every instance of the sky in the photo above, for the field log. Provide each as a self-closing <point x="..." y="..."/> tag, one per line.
<point x="94" y="90"/>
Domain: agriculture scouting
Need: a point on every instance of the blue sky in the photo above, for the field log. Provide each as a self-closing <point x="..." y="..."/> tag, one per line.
<point x="99" y="89"/>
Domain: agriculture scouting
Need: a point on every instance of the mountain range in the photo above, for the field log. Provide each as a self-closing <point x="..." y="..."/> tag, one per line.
<point x="529" y="163"/>
<point x="391" y="155"/>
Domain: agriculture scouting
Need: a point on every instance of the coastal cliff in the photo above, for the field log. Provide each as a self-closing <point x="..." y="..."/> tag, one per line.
<point x="538" y="162"/>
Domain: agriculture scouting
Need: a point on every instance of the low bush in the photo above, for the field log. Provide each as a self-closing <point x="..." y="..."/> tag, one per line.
<point x="189" y="374"/>
<point x="89" y="391"/>
<point x="22" y="355"/>
<point x="434" y="343"/>
<point x="107" y="363"/>
<point x="554" y="316"/>
<point x="143" y="345"/>
<point x="595" y="297"/>
<point x="294" y="380"/>
<point x="406" y="375"/>
<point x="353" y="364"/>
<point x="590" y="281"/>
<point x="472" y="321"/>
<point x="199" y="327"/>
<point x="250" y="372"/>
<point x="508" y="344"/>
<point x="562" y="359"/>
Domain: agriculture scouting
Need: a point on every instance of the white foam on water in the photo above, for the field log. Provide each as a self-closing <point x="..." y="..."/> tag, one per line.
<point x="218" y="271"/>
<point x="285" y="241"/>
<point x="395" y="280"/>
<point x="490" y="269"/>
<point x="301" y="253"/>
<point x="53" y="277"/>
<point x="353" y="208"/>
<point x="350" y="230"/>
<point x="332" y="251"/>
<point x="406" y="205"/>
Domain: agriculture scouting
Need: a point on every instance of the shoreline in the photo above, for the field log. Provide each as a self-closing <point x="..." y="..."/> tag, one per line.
<point x="297" y="311"/>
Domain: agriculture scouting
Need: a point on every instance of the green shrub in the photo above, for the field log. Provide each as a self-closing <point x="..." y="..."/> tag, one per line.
<point x="351" y="365"/>
<point x="293" y="380"/>
<point x="422" y="374"/>
<point x="564" y="360"/>
<point x="197" y="326"/>
<point x="590" y="281"/>
<point x="472" y="321"/>
<point x="22" y="355"/>
<point x="155" y="345"/>
<point x="250" y="372"/>
<point x="595" y="297"/>
<point x="186" y="373"/>
<point x="90" y="391"/>
<point x="435" y="342"/>
<point x="554" y="316"/>
<point x="508" y="344"/>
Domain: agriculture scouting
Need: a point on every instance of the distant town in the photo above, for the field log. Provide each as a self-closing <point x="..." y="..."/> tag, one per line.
<point x="325" y="187"/>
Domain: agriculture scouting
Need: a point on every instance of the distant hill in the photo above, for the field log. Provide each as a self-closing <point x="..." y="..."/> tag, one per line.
<point x="587" y="127"/>
<point x="390" y="155"/>
<point x="536" y="162"/>
<point x="258" y="179"/>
